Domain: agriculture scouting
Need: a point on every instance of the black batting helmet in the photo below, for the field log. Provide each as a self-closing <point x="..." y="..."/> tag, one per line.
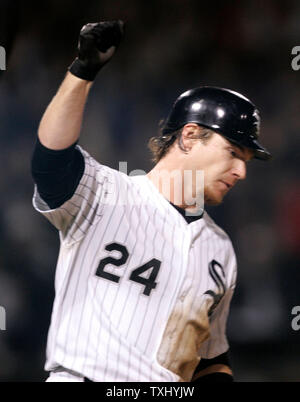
<point x="222" y="110"/>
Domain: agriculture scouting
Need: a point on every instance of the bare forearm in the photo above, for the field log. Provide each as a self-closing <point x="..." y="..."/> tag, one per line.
<point x="61" y="123"/>
<point x="60" y="126"/>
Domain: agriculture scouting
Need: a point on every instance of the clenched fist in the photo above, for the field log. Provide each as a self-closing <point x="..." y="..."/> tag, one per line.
<point x="97" y="44"/>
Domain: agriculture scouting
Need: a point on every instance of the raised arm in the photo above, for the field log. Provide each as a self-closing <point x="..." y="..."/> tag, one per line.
<point x="57" y="166"/>
<point x="61" y="123"/>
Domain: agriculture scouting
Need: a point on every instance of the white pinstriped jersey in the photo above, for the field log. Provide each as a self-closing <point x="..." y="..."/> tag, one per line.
<point x="140" y="294"/>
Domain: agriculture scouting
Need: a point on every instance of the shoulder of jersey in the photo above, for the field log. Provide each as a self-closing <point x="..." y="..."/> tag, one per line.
<point x="100" y="165"/>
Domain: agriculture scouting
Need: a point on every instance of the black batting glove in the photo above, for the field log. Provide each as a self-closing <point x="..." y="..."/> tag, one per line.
<point x="96" y="46"/>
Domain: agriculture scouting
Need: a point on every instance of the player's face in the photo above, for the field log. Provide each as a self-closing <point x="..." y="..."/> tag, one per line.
<point x="223" y="163"/>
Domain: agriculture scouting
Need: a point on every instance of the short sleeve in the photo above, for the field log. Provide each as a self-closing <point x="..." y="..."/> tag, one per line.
<point x="85" y="207"/>
<point x="217" y="343"/>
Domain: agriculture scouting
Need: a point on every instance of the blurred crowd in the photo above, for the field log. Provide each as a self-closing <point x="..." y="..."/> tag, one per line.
<point x="169" y="47"/>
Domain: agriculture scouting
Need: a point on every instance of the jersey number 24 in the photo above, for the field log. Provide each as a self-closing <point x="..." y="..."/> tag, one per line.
<point x="152" y="266"/>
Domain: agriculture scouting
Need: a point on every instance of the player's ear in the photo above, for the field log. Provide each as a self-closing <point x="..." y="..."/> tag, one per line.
<point x="189" y="134"/>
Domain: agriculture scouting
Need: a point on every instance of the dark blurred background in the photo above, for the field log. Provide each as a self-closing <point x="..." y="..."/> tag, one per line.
<point x="169" y="46"/>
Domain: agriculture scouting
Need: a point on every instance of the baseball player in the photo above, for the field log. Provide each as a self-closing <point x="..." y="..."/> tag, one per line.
<point x="144" y="276"/>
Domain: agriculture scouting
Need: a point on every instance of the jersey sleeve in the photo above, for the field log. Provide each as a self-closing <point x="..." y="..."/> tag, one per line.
<point x="217" y="343"/>
<point x="75" y="216"/>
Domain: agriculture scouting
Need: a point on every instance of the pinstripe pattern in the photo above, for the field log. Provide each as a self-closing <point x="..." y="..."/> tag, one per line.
<point x="110" y="331"/>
